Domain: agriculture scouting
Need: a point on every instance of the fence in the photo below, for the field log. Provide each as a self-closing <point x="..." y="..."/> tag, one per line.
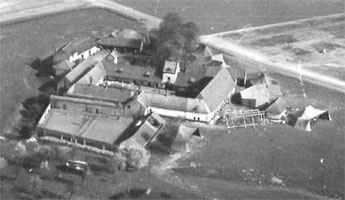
<point x="244" y="118"/>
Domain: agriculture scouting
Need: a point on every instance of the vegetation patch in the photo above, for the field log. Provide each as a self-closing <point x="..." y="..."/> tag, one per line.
<point x="274" y="40"/>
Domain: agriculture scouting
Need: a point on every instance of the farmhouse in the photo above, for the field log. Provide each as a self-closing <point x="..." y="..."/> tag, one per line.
<point x="125" y="40"/>
<point x="85" y="130"/>
<point x="170" y="71"/>
<point x="138" y="75"/>
<point x="81" y="49"/>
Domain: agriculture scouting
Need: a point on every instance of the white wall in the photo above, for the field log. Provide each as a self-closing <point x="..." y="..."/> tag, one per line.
<point x="84" y="55"/>
<point x="171" y="76"/>
<point x="180" y="114"/>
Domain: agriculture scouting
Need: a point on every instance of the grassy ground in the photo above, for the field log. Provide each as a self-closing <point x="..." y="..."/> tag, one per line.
<point x="21" y="43"/>
<point x="248" y="158"/>
<point x="223" y="15"/>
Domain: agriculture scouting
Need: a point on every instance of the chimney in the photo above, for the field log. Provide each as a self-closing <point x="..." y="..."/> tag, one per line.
<point x="91" y="80"/>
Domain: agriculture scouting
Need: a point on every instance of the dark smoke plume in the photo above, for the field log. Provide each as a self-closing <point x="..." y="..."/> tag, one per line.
<point x="175" y="38"/>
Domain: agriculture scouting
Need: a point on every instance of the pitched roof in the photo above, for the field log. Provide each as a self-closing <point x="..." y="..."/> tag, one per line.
<point x="274" y="91"/>
<point x="277" y="107"/>
<point x="86" y="126"/>
<point x="173" y="103"/>
<point x="120" y="42"/>
<point x="258" y="93"/>
<point x="99" y="93"/>
<point x="83" y="101"/>
<point x="197" y="72"/>
<point x="79" y="46"/>
<point x="148" y="129"/>
<point x="218" y="89"/>
<point x="310" y="112"/>
<point x="170" y="66"/>
<point x="129" y="34"/>
<point x="95" y="75"/>
<point x="65" y="65"/>
<point x="74" y="75"/>
<point x="131" y="72"/>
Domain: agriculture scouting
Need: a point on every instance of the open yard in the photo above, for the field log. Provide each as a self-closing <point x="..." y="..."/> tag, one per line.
<point x="22" y="42"/>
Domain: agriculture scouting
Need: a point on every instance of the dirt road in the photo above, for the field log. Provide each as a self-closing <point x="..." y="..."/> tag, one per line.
<point x="19" y="10"/>
<point x="284" y="68"/>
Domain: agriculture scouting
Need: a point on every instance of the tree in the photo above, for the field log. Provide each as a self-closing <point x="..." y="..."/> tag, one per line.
<point x="33" y="109"/>
<point x="35" y="182"/>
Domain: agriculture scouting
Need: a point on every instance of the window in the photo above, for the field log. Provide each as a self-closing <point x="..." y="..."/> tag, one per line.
<point x="129" y="106"/>
<point x="97" y="111"/>
<point x="64" y="106"/>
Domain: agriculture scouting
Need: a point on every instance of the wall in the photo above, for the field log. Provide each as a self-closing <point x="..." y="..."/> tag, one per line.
<point x="180" y="114"/>
<point x="87" y="107"/>
<point x="84" y="55"/>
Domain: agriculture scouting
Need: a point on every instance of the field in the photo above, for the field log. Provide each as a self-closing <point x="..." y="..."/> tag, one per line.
<point x="314" y="45"/>
<point x="214" y="16"/>
<point x="22" y="42"/>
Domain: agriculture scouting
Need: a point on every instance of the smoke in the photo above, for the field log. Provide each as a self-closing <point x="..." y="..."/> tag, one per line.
<point x="175" y="38"/>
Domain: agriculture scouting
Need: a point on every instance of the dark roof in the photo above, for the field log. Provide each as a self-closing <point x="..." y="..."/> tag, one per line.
<point x="64" y="65"/>
<point x="240" y="73"/>
<point x="120" y="42"/>
<point x="74" y="75"/>
<point x="95" y="75"/>
<point x="99" y="93"/>
<point x="131" y="72"/>
<point x="79" y="46"/>
<point x="218" y="89"/>
<point x="196" y="72"/>
<point x="92" y="127"/>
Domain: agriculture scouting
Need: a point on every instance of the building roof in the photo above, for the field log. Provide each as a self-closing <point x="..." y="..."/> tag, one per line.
<point x="64" y="65"/>
<point x="259" y="93"/>
<point x="83" y="101"/>
<point x="128" y="34"/>
<point x="310" y="112"/>
<point x="218" y="89"/>
<point x="197" y="73"/>
<point x="173" y="103"/>
<point x="149" y="129"/>
<point x="277" y="107"/>
<point x="74" y="75"/>
<point x="274" y="91"/>
<point x="79" y="46"/>
<point x="95" y="75"/>
<point x="91" y="127"/>
<point x="121" y="42"/>
<point x="109" y="94"/>
<point x="248" y="73"/>
<point x="131" y="72"/>
<point x="170" y="67"/>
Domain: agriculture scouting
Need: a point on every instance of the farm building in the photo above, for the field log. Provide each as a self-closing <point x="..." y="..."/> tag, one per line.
<point x="62" y="67"/>
<point x="84" y="130"/>
<point x="148" y="128"/>
<point x="138" y="75"/>
<point x="125" y="40"/>
<point x="94" y="76"/>
<point x="81" y="49"/>
<point x="87" y="106"/>
<point x="106" y="94"/>
<point x="74" y="75"/>
<point x="303" y="119"/>
<point x="170" y="71"/>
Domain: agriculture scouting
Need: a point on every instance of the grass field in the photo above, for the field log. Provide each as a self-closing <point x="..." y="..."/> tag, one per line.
<point x="223" y="15"/>
<point x="308" y="40"/>
<point x="247" y="159"/>
<point x="21" y="43"/>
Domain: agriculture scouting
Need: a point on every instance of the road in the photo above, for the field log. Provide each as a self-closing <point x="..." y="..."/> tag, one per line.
<point x="17" y="10"/>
